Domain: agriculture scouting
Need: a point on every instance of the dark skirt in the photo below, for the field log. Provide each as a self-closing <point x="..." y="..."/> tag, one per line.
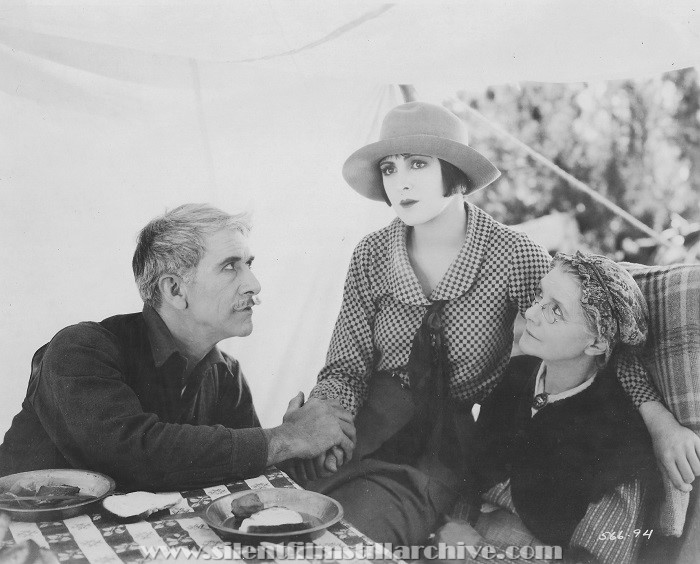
<point x="406" y="471"/>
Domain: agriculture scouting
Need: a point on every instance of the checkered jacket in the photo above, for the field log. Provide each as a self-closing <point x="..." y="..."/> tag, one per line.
<point x="492" y="278"/>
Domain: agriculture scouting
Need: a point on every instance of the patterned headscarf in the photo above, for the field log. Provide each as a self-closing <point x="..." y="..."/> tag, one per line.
<point x="610" y="296"/>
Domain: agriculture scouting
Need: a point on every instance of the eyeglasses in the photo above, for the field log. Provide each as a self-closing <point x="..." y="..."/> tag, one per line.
<point x="548" y="310"/>
<point x="551" y="312"/>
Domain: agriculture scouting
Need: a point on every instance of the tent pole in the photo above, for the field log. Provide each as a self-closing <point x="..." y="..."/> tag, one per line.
<point x="408" y="91"/>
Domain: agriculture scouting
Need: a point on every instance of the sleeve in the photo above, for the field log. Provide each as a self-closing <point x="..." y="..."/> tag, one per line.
<point x="635" y="379"/>
<point x="528" y="264"/>
<point x="96" y="421"/>
<point x="611" y="530"/>
<point x="350" y="355"/>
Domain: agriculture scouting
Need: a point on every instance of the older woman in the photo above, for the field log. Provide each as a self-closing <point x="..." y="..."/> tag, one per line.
<point x="426" y="325"/>
<point x="562" y="456"/>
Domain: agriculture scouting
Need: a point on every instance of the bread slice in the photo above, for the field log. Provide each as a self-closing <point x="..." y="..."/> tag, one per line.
<point x="139" y="504"/>
<point x="271" y="517"/>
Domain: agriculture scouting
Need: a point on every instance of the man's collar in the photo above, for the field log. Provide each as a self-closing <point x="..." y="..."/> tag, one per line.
<point x="163" y="344"/>
<point x="214" y="356"/>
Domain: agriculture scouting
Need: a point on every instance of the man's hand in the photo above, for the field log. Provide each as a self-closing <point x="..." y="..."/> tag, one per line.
<point x="676" y="447"/>
<point x="310" y="429"/>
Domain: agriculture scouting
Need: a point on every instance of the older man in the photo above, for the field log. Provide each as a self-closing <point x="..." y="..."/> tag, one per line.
<point x="148" y="398"/>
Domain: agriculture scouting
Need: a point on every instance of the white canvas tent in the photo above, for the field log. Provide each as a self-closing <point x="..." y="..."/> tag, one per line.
<point x="111" y="112"/>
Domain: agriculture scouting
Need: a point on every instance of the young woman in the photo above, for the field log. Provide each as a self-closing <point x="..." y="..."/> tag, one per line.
<point x="426" y="325"/>
<point x="561" y="454"/>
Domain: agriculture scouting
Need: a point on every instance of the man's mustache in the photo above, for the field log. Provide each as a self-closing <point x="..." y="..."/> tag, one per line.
<point x="248" y="301"/>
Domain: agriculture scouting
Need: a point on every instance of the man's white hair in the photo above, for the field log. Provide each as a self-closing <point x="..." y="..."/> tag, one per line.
<point x="174" y="243"/>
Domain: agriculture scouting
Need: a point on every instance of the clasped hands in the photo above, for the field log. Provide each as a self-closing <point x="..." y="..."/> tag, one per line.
<point x="330" y="433"/>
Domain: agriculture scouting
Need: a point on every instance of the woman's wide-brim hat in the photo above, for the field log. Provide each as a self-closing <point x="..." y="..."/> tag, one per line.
<point x="423" y="129"/>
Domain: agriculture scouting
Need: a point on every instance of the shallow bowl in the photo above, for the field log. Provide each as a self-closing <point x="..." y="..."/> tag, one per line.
<point x="91" y="483"/>
<point x="321" y="510"/>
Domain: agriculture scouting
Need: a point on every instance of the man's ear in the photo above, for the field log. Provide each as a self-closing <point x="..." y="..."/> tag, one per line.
<point x="173" y="291"/>
<point x="597" y="347"/>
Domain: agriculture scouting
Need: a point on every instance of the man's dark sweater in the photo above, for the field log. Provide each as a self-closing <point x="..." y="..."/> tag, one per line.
<point x="109" y="397"/>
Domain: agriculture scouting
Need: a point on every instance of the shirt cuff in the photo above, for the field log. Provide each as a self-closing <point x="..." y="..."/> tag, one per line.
<point x="332" y="391"/>
<point x="248" y="452"/>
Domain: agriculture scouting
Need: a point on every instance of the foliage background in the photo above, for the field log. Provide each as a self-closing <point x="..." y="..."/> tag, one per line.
<point x="635" y="141"/>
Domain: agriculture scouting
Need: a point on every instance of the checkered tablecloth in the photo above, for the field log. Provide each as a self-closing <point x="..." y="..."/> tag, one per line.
<point x="100" y="538"/>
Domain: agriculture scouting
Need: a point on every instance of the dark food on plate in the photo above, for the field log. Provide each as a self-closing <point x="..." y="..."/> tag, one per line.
<point x="246" y="505"/>
<point x="284" y="528"/>
<point x="251" y="516"/>
<point x="43" y="496"/>
<point x="62" y="490"/>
